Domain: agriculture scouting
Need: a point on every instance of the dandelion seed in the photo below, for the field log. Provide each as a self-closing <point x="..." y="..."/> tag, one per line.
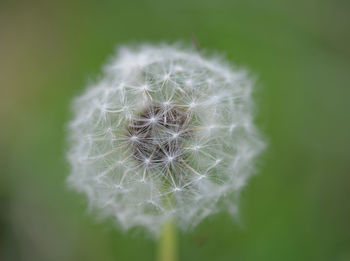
<point x="163" y="122"/>
<point x="192" y="105"/>
<point x="133" y="138"/>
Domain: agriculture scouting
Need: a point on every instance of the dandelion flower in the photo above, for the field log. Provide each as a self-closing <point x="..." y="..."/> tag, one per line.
<point x="164" y="134"/>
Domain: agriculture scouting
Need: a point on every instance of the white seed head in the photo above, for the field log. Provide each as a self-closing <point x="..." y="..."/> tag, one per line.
<point x="165" y="133"/>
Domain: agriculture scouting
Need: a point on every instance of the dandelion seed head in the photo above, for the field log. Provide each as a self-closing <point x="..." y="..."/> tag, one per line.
<point x="165" y="133"/>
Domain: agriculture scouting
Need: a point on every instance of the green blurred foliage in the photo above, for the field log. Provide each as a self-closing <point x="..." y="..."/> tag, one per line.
<point x="296" y="208"/>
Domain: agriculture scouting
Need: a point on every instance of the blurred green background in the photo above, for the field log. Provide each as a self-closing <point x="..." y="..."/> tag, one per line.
<point x="296" y="208"/>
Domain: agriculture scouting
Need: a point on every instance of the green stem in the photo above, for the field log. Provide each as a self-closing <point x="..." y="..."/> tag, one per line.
<point x="167" y="248"/>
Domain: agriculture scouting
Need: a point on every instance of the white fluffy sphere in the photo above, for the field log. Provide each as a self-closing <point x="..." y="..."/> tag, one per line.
<point x="164" y="134"/>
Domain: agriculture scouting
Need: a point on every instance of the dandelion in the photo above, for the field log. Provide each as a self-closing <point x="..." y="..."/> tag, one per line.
<point x="165" y="134"/>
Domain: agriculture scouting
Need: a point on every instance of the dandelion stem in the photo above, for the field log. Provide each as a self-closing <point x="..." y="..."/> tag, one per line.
<point x="167" y="245"/>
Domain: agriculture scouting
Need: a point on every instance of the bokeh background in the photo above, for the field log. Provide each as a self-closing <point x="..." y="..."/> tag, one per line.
<point x="296" y="208"/>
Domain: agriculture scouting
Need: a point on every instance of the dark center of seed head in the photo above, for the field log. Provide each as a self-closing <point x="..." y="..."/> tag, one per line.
<point x="157" y="135"/>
